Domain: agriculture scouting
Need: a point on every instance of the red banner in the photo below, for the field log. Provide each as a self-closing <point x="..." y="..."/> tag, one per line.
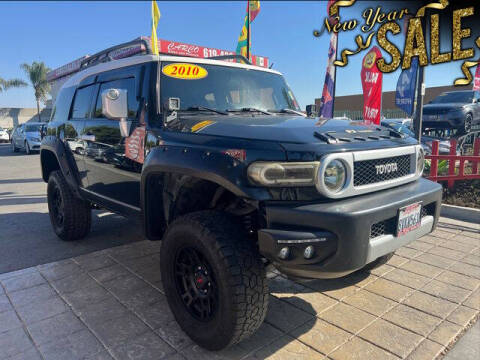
<point x="182" y="49"/>
<point x="476" y="81"/>
<point x="372" y="87"/>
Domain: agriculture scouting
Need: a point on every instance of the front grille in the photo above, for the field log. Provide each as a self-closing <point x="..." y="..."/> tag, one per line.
<point x="365" y="172"/>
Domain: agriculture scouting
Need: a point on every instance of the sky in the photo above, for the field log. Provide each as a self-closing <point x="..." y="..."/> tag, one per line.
<point x="59" y="32"/>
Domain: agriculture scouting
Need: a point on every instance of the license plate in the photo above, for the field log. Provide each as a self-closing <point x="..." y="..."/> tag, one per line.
<point x="409" y="218"/>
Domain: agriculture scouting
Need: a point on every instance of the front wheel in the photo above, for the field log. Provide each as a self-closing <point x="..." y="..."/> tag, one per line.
<point x="70" y="217"/>
<point x="214" y="279"/>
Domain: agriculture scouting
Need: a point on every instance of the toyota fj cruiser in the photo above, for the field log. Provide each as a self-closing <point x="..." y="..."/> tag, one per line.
<point x="216" y="160"/>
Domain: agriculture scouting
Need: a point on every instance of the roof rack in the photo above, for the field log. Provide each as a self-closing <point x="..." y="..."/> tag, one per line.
<point x="140" y="45"/>
<point x="137" y="46"/>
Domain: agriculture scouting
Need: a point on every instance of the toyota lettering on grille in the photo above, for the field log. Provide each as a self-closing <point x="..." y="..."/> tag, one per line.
<point x="386" y="168"/>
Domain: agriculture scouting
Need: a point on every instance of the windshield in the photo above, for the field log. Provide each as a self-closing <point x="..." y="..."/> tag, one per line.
<point x="454" y="97"/>
<point x="225" y="88"/>
<point x="33" y="128"/>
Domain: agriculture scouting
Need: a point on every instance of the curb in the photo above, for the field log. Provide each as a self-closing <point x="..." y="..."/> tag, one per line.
<point x="460" y="213"/>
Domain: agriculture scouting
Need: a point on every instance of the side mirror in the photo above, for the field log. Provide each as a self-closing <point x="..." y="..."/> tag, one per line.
<point x="312" y="110"/>
<point x="115" y="107"/>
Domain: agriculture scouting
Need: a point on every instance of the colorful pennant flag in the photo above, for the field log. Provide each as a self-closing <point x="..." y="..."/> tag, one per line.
<point x="244" y="40"/>
<point x="476" y="81"/>
<point x="155" y="19"/>
<point x="328" y="93"/>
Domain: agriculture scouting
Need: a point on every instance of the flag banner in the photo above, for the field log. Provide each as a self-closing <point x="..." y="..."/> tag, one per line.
<point x="476" y="81"/>
<point x="406" y="85"/>
<point x="372" y="87"/>
<point x="331" y="19"/>
<point x="254" y="9"/>
<point x="244" y="40"/>
<point x="328" y="94"/>
<point x="155" y="19"/>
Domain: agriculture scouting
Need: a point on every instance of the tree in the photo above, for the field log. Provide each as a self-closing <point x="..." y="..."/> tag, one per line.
<point x="12" y="83"/>
<point x="37" y="73"/>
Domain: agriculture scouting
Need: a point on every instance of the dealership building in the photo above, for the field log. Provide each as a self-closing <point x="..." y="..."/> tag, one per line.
<point x="352" y="105"/>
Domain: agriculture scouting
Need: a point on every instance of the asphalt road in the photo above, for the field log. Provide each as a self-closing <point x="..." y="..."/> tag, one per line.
<point x="26" y="236"/>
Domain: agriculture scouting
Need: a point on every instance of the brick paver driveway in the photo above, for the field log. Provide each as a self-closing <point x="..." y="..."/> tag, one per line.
<point x="110" y="304"/>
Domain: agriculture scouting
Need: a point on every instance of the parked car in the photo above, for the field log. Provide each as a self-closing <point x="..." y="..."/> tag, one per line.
<point x="231" y="177"/>
<point x="27" y="137"/>
<point x="454" y="110"/>
<point x="4" y="135"/>
<point x="404" y="126"/>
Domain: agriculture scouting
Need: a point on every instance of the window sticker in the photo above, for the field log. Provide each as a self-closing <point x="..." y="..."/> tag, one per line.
<point x="185" y="71"/>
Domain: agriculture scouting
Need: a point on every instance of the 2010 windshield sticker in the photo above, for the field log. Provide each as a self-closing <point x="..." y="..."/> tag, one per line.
<point x="185" y="71"/>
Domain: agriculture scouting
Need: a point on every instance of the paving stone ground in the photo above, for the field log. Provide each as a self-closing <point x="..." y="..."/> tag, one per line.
<point x="110" y="304"/>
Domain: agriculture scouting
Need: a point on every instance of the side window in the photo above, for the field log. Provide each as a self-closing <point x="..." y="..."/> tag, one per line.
<point x="81" y="103"/>
<point x="127" y="84"/>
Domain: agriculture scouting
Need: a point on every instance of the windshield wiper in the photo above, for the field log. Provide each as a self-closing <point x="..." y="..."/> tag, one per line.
<point x="288" y="111"/>
<point x="250" y="109"/>
<point x="204" y="108"/>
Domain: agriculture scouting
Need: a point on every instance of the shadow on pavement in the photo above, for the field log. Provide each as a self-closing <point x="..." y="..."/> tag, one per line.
<point x="22" y="200"/>
<point x="27" y="238"/>
<point x="20" y="181"/>
<point x="458" y="227"/>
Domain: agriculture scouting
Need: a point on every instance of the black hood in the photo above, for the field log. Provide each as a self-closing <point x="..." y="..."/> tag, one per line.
<point x="281" y="128"/>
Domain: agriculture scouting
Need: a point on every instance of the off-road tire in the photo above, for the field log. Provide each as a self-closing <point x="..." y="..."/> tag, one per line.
<point x="77" y="215"/>
<point x="238" y="271"/>
<point x="378" y="262"/>
<point x="14" y="148"/>
<point x="27" y="148"/>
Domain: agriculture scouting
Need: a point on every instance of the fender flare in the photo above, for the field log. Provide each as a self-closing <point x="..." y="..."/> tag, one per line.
<point x="195" y="162"/>
<point x="65" y="163"/>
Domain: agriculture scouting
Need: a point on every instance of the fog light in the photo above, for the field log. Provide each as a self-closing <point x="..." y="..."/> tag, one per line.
<point x="284" y="253"/>
<point x="309" y="252"/>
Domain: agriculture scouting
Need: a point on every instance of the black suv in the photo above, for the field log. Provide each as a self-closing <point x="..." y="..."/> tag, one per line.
<point x="216" y="160"/>
<point x="453" y="110"/>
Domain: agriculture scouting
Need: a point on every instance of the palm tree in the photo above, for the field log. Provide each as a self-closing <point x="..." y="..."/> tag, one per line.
<point x="12" y="83"/>
<point x="37" y="73"/>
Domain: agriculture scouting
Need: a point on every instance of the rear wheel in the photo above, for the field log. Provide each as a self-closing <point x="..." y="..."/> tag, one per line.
<point x="214" y="279"/>
<point x="378" y="262"/>
<point x="70" y="216"/>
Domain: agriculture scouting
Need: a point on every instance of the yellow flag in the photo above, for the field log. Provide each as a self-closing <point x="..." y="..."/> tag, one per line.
<point x="155" y="19"/>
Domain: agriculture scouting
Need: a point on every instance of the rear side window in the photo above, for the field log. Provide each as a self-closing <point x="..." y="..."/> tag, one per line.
<point x="81" y="104"/>
<point x="127" y="84"/>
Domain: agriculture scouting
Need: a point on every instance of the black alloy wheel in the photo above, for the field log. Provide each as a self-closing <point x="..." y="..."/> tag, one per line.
<point x="70" y="216"/>
<point x="56" y="207"/>
<point x="213" y="278"/>
<point x="196" y="283"/>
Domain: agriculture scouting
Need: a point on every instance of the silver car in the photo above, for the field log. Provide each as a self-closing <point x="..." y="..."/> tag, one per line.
<point x="27" y="137"/>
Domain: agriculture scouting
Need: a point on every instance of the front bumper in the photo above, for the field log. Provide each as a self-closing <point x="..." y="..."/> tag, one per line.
<point x="345" y="234"/>
<point x="34" y="145"/>
<point x="443" y="121"/>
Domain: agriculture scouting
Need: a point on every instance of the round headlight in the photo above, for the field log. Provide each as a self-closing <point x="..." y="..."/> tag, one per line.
<point x="420" y="161"/>
<point x="335" y="176"/>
